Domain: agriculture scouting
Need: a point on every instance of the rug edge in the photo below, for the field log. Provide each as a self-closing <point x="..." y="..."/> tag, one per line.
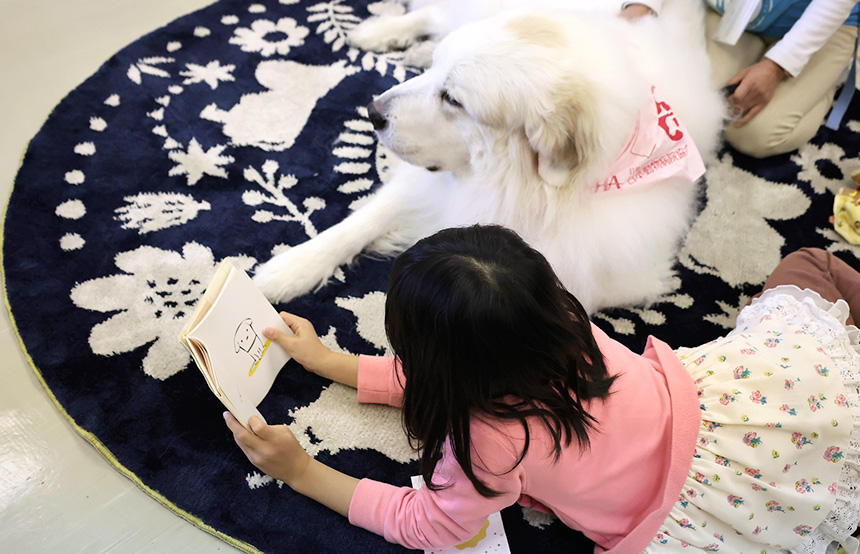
<point x="83" y="433"/>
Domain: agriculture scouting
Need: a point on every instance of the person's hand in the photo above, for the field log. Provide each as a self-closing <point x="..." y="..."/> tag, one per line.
<point x="272" y="448"/>
<point x="304" y="345"/>
<point x="633" y="12"/>
<point x="756" y="85"/>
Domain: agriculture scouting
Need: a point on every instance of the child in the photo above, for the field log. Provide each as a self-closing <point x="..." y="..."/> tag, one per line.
<point x="744" y="444"/>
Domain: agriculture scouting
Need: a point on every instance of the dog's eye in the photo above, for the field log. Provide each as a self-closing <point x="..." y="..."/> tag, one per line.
<point x="449" y="100"/>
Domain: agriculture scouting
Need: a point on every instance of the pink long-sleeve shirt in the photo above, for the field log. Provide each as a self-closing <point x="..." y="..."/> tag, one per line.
<point x="617" y="492"/>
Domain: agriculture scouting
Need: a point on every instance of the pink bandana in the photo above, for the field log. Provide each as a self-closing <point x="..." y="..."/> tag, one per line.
<point x="659" y="149"/>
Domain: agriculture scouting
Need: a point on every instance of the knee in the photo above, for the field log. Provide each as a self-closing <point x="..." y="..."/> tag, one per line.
<point x="760" y="138"/>
<point x="809" y="256"/>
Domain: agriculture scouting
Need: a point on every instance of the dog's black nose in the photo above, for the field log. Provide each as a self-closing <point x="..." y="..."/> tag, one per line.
<point x="377" y="119"/>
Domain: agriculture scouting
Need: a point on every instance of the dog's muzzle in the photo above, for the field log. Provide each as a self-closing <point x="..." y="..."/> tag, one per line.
<point x="376" y="119"/>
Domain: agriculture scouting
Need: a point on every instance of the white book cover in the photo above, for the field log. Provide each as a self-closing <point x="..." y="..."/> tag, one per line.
<point x="225" y="338"/>
<point x="491" y="539"/>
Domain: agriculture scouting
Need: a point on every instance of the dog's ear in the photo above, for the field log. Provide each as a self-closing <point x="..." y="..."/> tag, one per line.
<point x="564" y="135"/>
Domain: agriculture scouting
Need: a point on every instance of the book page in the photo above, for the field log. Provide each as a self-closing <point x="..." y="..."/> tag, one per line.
<point x="491" y="539"/>
<point x="243" y="363"/>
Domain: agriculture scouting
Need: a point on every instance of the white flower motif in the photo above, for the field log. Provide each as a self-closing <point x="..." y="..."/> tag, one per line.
<point x="153" y="296"/>
<point x="282" y="36"/>
<point x="195" y="162"/>
<point x="211" y="73"/>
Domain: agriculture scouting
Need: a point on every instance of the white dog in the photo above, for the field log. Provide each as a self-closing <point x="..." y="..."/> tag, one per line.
<point x="521" y="120"/>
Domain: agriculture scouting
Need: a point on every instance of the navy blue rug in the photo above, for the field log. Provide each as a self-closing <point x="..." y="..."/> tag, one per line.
<point x="236" y="131"/>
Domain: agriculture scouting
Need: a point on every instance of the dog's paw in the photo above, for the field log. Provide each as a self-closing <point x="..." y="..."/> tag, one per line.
<point x="381" y="34"/>
<point x="420" y="55"/>
<point x="291" y="274"/>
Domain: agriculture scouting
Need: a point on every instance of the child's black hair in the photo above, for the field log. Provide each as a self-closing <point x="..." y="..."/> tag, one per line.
<point x="476" y="317"/>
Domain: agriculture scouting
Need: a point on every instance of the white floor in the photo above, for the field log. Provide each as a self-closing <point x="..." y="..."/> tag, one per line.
<point x="57" y="494"/>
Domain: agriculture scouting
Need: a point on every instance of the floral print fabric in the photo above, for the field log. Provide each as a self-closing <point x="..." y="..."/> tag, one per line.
<point x="775" y="430"/>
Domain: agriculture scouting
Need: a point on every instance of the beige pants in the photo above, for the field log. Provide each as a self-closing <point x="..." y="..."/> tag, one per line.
<point x="799" y="104"/>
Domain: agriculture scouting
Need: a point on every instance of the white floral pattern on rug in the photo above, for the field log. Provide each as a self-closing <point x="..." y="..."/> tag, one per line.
<point x="811" y="157"/>
<point x="212" y="73"/>
<point x="195" y="162"/>
<point x="153" y="296"/>
<point x="255" y="39"/>
<point x="732" y="238"/>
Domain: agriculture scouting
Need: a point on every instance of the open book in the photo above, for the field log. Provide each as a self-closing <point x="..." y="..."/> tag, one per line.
<point x="225" y="338"/>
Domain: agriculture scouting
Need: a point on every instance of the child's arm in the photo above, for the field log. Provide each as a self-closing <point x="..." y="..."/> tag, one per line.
<point x="275" y="451"/>
<point x="305" y="347"/>
<point x="422" y="519"/>
<point x="381" y="380"/>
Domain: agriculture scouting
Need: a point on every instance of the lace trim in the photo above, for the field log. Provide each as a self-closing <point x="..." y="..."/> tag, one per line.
<point x="825" y="320"/>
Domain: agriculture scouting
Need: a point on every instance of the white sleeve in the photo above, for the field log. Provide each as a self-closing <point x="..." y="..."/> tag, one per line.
<point x="655" y="5"/>
<point x="806" y="37"/>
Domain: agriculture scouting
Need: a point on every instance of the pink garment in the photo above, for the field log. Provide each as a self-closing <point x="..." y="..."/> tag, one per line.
<point x="660" y="148"/>
<point x="617" y="493"/>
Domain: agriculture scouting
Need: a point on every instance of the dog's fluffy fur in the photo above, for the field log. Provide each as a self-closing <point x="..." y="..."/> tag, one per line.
<point x="519" y="115"/>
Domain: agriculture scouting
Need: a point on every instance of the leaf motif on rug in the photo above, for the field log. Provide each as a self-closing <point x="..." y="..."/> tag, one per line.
<point x="274" y="193"/>
<point x="149" y="211"/>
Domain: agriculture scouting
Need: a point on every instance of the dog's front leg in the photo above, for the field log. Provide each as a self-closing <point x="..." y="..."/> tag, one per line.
<point x="384" y="224"/>
<point x="395" y="32"/>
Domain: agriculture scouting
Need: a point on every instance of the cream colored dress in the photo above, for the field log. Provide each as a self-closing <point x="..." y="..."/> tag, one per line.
<point x="776" y="465"/>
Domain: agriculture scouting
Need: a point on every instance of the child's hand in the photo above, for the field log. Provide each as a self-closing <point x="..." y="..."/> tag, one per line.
<point x="305" y="347"/>
<point x="272" y="448"/>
